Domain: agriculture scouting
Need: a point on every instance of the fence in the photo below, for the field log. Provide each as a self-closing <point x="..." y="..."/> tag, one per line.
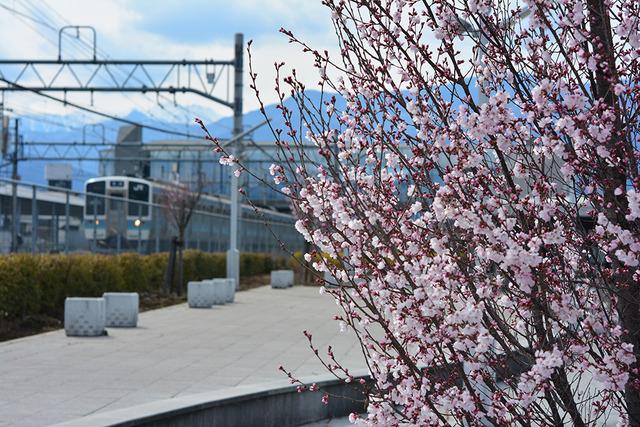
<point x="51" y="220"/>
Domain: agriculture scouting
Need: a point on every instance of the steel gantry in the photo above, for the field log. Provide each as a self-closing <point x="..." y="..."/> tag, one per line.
<point x="146" y="76"/>
<point x="84" y="75"/>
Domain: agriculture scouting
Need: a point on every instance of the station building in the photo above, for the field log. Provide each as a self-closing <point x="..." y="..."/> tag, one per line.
<point x="186" y="160"/>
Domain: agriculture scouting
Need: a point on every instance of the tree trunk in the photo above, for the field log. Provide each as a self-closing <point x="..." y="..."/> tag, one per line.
<point x="616" y="205"/>
<point x="169" y="273"/>
<point x="180" y="284"/>
<point x="629" y="312"/>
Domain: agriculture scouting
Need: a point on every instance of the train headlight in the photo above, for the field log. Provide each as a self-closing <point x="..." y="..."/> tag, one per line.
<point x="137" y="222"/>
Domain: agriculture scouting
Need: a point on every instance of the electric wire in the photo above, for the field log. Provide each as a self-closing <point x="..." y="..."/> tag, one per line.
<point x="88" y="47"/>
<point x="24" y="15"/>
<point x="99" y="113"/>
<point x="81" y="48"/>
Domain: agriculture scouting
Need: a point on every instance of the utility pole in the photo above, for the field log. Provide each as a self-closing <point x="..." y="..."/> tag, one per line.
<point x="233" y="254"/>
<point x="34" y="220"/>
<point x="4" y="141"/>
<point x="67" y="214"/>
<point x="15" y="221"/>
<point x="94" y="204"/>
<point x="3" y="144"/>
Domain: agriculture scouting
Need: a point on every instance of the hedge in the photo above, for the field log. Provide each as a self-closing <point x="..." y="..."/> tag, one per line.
<point x="38" y="284"/>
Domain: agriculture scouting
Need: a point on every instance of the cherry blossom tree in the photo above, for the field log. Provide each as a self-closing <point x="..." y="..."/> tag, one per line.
<point x="475" y="192"/>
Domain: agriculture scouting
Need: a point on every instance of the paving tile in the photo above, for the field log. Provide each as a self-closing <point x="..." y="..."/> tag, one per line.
<point x="176" y="351"/>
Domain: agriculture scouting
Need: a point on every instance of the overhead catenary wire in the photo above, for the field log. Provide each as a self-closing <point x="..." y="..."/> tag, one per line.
<point x="41" y="18"/>
<point x="24" y="15"/>
<point x="72" y="123"/>
<point x="99" y="113"/>
<point x="88" y="47"/>
<point x="26" y="116"/>
<point x="48" y="25"/>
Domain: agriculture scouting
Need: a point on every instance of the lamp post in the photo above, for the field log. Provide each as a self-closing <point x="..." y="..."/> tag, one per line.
<point x="94" y="206"/>
<point x="138" y="224"/>
<point x="15" y="216"/>
<point x="95" y="232"/>
<point x="233" y="254"/>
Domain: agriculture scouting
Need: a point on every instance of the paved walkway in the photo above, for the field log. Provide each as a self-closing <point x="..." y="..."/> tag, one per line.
<point x="175" y="351"/>
<point x="335" y="422"/>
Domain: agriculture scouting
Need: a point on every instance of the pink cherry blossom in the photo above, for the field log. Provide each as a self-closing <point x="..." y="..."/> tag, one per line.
<point x="485" y="231"/>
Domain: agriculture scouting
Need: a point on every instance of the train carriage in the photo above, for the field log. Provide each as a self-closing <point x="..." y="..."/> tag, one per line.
<point x="126" y="213"/>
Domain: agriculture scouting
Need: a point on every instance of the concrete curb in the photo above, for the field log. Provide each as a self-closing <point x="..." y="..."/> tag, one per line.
<point x="272" y="404"/>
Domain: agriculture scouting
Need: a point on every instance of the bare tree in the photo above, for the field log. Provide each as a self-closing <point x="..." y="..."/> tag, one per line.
<point x="179" y="201"/>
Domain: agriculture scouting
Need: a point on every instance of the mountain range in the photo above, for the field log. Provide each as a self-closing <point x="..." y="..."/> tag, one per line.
<point x="69" y="128"/>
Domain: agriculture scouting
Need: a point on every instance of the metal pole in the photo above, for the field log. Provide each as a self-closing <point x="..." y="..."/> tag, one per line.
<point x="77" y="28"/>
<point x="233" y="255"/>
<point x="34" y="220"/>
<point x="15" y="221"/>
<point x="196" y="218"/>
<point x="118" y="242"/>
<point x="95" y="223"/>
<point x="66" y="224"/>
<point x="157" y="227"/>
<point x="4" y="127"/>
<point x="210" y="234"/>
<point x="55" y="230"/>
<point x="140" y="237"/>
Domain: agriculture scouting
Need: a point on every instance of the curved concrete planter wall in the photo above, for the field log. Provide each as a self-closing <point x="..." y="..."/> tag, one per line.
<point x="276" y="404"/>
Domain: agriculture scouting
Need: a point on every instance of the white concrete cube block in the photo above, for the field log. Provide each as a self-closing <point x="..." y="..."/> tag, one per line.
<point x="281" y="278"/>
<point x="219" y="290"/>
<point x="84" y="317"/>
<point x="200" y="294"/>
<point x="225" y="290"/>
<point x="122" y="309"/>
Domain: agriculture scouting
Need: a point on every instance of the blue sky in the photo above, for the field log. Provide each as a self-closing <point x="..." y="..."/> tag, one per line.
<point x="198" y="21"/>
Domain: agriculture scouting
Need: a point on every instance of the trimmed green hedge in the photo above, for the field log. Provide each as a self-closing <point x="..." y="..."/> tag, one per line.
<point x="39" y="284"/>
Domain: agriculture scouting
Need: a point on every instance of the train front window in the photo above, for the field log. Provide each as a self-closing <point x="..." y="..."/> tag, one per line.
<point x="115" y="204"/>
<point x="138" y="199"/>
<point x="95" y="198"/>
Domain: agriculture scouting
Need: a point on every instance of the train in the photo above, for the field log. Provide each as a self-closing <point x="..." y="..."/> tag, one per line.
<point x="127" y="213"/>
